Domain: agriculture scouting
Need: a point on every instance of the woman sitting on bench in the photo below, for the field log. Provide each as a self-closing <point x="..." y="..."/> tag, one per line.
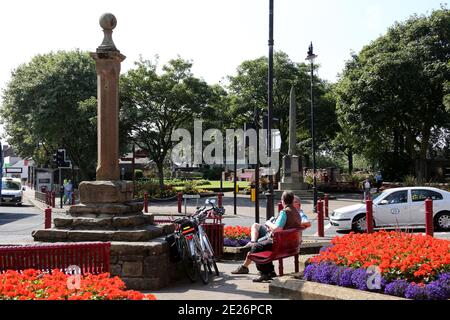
<point x="289" y="218"/>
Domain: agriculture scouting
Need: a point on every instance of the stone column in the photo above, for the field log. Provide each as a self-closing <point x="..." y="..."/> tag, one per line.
<point x="108" y="60"/>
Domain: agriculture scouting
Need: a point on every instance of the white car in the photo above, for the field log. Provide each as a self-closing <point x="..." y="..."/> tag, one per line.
<point x="12" y="191"/>
<point x="400" y="207"/>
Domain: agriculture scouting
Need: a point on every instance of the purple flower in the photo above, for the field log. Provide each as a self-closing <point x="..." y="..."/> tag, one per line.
<point x="439" y="289"/>
<point x="345" y="280"/>
<point x="416" y="292"/>
<point x="309" y="272"/>
<point x="230" y="243"/>
<point x="396" y="288"/>
<point x="436" y="291"/>
<point x="359" y="279"/>
<point x="324" y="273"/>
<point x="243" y="242"/>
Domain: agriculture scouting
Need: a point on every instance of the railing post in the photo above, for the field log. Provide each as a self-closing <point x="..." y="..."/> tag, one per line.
<point x="327" y="197"/>
<point x="180" y="201"/>
<point x="320" y="219"/>
<point x="146" y="202"/>
<point x="53" y="195"/>
<point x="429" y="217"/>
<point x="219" y="201"/>
<point x="369" y="216"/>
<point x="48" y="218"/>
<point x="73" y="198"/>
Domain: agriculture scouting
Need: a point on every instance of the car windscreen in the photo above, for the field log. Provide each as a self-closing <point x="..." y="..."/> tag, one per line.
<point x="380" y="196"/>
<point x="11" y="185"/>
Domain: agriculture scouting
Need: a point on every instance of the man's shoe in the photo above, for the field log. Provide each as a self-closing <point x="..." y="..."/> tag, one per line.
<point x="263" y="278"/>
<point x="241" y="270"/>
<point x="273" y="274"/>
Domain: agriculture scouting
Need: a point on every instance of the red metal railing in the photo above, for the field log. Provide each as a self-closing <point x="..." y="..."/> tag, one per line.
<point x="369" y="216"/>
<point x="91" y="258"/>
<point x="429" y="217"/>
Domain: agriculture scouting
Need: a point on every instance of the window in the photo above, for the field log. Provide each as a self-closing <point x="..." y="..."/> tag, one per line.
<point x="422" y="195"/>
<point x="10" y="185"/>
<point x="397" y="197"/>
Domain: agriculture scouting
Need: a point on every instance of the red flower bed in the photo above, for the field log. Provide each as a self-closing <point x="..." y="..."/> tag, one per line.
<point x="36" y="285"/>
<point x="415" y="258"/>
<point x="236" y="233"/>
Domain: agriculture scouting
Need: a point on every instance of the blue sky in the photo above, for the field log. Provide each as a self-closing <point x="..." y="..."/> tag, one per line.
<point x="216" y="34"/>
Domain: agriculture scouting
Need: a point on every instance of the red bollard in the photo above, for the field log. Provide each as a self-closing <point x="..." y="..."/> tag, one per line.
<point x="180" y="201"/>
<point x="369" y="216"/>
<point x="429" y="217"/>
<point x="47" y="198"/>
<point x="320" y="219"/>
<point x="48" y="218"/>
<point x="327" y="197"/>
<point x="280" y="207"/>
<point x="220" y="200"/>
<point x="73" y="198"/>
<point x="53" y="195"/>
<point x="146" y="202"/>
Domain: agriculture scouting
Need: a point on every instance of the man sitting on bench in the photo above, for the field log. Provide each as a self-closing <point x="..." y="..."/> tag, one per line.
<point x="289" y="218"/>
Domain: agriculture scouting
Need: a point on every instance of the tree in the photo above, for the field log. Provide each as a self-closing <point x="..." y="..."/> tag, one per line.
<point x="154" y="105"/>
<point x="391" y="94"/>
<point x="43" y="109"/>
<point x="249" y="88"/>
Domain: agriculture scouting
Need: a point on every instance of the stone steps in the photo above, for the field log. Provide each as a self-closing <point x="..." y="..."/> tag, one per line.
<point x="110" y="223"/>
<point x="139" y="235"/>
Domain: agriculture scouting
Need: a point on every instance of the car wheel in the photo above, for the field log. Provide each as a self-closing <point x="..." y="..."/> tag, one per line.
<point x="442" y="221"/>
<point x="359" y="224"/>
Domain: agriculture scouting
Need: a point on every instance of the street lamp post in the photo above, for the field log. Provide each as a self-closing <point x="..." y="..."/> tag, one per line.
<point x="256" y="121"/>
<point x="270" y="194"/>
<point x="311" y="57"/>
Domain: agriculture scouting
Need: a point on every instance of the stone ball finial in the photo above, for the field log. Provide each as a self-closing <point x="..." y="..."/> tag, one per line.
<point x="108" y="21"/>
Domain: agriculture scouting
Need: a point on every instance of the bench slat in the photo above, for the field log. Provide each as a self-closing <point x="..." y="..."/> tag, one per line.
<point x="90" y="257"/>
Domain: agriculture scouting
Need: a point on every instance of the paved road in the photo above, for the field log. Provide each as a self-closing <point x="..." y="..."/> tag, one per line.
<point x="17" y="223"/>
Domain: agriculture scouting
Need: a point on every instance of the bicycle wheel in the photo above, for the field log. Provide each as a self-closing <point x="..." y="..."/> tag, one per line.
<point x="211" y="259"/>
<point x="201" y="263"/>
<point x="189" y="264"/>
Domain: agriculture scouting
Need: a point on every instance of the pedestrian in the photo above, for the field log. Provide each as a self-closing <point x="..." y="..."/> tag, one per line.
<point x="366" y="189"/>
<point x="289" y="218"/>
<point x="68" y="190"/>
<point x="305" y="221"/>
<point x="379" y="181"/>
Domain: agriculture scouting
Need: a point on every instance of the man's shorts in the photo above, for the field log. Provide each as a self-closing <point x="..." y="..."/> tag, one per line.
<point x="263" y="232"/>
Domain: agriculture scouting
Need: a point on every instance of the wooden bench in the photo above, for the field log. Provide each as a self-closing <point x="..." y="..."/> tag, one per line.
<point x="92" y="258"/>
<point x="286" y="244"/>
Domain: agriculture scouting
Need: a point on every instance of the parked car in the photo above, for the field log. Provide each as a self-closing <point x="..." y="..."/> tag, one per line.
<point x="12" y="191"/>
<point x="402" y="207"/>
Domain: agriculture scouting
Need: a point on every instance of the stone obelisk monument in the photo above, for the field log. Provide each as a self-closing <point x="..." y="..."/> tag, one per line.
<point x="292" y="173"/>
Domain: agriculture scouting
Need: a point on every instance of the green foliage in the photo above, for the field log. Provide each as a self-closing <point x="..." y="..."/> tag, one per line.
<point x="213" y="173"/>
<point x="157" y="104"/>
<point x="138" y="174"/>
<point x="249" y="89"/>
<point x="46" y="106"/>
<point x="391" y="95"/>
<point x="409" y="181"/>
<point x="154" y="190"/>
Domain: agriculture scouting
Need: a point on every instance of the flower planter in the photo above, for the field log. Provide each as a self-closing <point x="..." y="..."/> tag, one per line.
<point x="295" y="289"/>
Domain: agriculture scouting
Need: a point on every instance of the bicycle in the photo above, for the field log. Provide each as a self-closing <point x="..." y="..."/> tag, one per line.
<point x="193" y="246"/>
